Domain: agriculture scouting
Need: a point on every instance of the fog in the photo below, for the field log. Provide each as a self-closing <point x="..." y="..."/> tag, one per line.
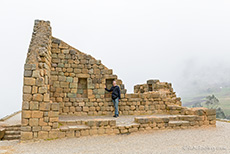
<point x="177" y="41"/>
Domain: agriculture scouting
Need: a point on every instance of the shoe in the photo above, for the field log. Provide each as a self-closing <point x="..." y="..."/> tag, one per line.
<point x="115" y="116"/>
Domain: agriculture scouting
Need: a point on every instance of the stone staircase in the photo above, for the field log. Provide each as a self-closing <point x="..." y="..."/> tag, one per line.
<point x="182" y="121"/>
<point x="12" y="132"/>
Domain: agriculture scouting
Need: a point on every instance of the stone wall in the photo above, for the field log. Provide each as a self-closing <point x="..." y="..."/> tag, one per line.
<point x="78" y="80"/>
<point x="39" y="114"/>
<point x="61" y="80"/>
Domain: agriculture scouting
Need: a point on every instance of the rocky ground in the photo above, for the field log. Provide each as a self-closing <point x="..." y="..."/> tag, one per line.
<point x="198" y="140"/>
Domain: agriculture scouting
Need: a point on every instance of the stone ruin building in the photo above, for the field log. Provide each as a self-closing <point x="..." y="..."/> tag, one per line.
<point x="64" y="96"/>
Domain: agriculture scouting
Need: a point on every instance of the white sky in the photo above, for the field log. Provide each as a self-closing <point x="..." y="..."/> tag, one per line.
<point x="138" y="39"/>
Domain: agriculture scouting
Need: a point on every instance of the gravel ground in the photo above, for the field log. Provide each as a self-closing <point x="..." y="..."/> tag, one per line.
<point x="200" y="140"/>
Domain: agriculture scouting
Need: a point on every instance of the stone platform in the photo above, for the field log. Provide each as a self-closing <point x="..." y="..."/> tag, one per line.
<point x="76" y="126"/>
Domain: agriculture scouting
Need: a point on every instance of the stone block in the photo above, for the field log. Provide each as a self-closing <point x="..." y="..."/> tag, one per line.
<point x="33" y="121"/>
<point x="36" y="74"/>
<point x="61" y="134"/>
<point x="54" y="119"/>
<point x="211" y="117"/>
<point x="70" y="133"/>
<point x="211" y="112"/>
<point x="64" y="84"/>
<point x="72" y="95"/>
<point x="25" y="128"/>
<point x="44" y="106"/>
<point x="85" y="108"/>
<point x="42" y="90"/>
<point x="43" y="134"/>
<point x="84" y="132"/>
<point x="69" y="79"/>
<point x="30" y="66"/>
<point x="25" y="105"/>
<point x="46" y="128"/>
<point x="42" y="122"/>
<point x="53" y="114"/>
<point x="55" y="106"/>
<point x="29" y="81"/>
<point x="27" y="89"/>
<point x="72" y="52"/>
<point x="27" y="97"/>
<point x="26" y="135"/>
<point x="38" y="97"/>
<point x="36" y="128"/>
<point x="46" y="97"/>
<point x="101" y="131"/>
<point x="33" y="105"/>
<point x="36" y="114"/>
<point x="53" y="134"/>
<point x="73" y="85"/>
<point x="34" y="89"/>
<point x="26" y="114"/>
<point x="27" y="73"/>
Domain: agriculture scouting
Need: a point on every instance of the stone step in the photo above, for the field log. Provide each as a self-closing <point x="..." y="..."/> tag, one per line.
<point x="74" y="127"/>
<point x="128" y="125"/>
<point x="179" y="123"/>
<point x="88" y="122"/>
<point x="13" y="128"/>
<point x="12" y="132"/>
<point x="11" y="137"/>
<point x="188" y="117"/>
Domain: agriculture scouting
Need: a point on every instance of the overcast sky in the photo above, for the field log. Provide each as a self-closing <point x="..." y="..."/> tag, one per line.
<point x="138" y="39"/>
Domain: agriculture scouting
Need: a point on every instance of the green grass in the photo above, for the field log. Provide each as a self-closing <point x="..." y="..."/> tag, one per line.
<point x="223" y="96"/>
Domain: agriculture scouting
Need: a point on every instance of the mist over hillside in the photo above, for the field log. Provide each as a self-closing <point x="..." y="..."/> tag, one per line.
<point x="203" y="77"/>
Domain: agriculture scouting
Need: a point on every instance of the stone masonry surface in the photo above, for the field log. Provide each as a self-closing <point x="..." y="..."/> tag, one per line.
<point x="60" y="81"/>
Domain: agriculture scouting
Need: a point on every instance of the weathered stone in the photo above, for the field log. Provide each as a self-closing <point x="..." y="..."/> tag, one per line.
<point x="25" y="105"/>
<point x="46" y="97"/>
<point x="27" y="73"/>
<point x="53" y="114"/>
<point x="44" y="106"/>
<point x="26" y="114"/>
<point x="33" y="122"/>
<point x="27" y="97"/>
<point x="42" y="90"/>
<point x="36" y="74"/>
<point x="33" y="105"/>
<point x="27" y="89"/>
<point x="26" y="135"/>
<point x="43" y="134"/>
<point x="72" y="95"/>
<point x="55" y="106"/>
<point x="36" y="114"/>
<point x="38" y="97"/>
<point x="29" y="81"/>
<point x="30" y="67"/>
<point x="72" y="52"/>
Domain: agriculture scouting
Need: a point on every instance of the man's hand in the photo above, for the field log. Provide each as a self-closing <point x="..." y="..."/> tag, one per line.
<point x="119" y="100"/>
<point x="105" y="86"/>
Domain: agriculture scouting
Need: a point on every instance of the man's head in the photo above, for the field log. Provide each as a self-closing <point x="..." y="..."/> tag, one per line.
<point x="114" y="83"/>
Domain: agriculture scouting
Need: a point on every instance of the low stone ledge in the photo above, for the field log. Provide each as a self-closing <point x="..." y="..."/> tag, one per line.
<point x="2" y="133"/>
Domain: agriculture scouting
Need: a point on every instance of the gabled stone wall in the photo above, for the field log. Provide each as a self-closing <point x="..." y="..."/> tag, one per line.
<point x="61" y="80"/>
<point x="78" y="80"/>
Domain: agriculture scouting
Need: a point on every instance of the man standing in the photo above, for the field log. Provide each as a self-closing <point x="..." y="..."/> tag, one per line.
<point x="116" y="96"/>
